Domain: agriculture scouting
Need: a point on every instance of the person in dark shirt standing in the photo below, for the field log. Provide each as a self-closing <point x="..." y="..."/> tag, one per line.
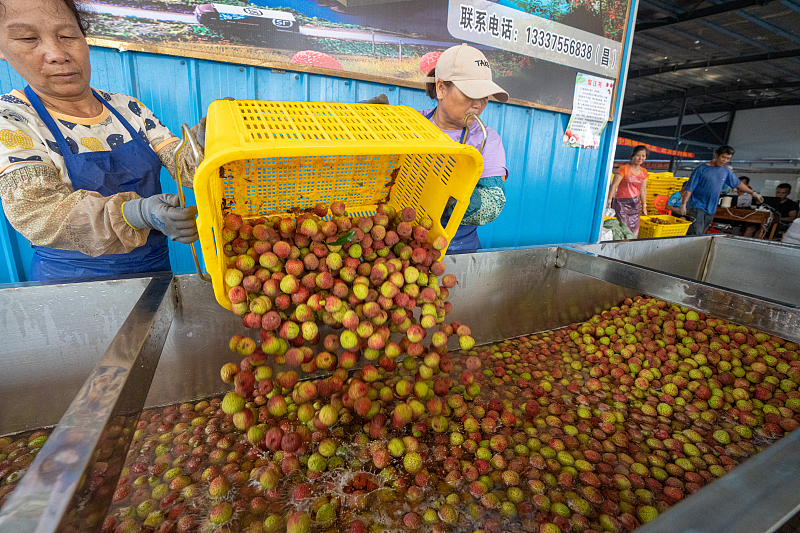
<point x="701" y="196"/>
<point x="786" y="208"/>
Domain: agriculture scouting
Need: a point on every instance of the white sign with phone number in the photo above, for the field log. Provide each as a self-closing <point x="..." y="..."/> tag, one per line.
<point x="484" y="22"/>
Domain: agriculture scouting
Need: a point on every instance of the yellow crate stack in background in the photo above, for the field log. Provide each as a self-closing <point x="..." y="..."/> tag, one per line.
<point x="271" y="158"/>
<point x="661" y="184"/>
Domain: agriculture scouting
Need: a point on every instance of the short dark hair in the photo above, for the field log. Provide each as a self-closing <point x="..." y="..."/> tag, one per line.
<point x="82" y="24"/>
<point x="638" y="149"/>
<point x="745" y="179"/>
<point x="430" y="87"/>
<point x="784" y="186"/>
<point x="725" y="149"/>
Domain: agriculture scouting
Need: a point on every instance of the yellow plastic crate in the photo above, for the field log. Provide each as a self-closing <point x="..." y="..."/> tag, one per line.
<point x="271" y="158"/>
<point x="666" y="185"/>
<point x="663" y="184"/>
<point x="676" y="227"/>
<point x="660" y="175"/>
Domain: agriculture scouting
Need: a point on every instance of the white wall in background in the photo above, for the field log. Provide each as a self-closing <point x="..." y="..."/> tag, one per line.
<point x="767" y="133"/>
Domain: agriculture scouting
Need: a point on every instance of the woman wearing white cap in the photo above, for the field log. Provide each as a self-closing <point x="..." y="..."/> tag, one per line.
<point x="461" y="83"/>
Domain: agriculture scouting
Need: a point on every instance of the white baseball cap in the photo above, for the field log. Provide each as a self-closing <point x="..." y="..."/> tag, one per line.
<point x="469" y="70"/>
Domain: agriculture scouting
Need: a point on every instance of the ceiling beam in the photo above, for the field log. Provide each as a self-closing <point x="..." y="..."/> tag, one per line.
<point x="758" y="21"/>
<point x="695" y="38"/>
<point x="777" y="30"/>
<point x="767" y="102"/>
<point x="791" y="5"/>
<point x="725" y="7"/>
<point x="714" y="89"/>
<point x="666" y="6"/>
<point x="752" y="42"/>
<point x="720" y="108"/>
<point x="669" y="8"/>
<point x="767" y="56"/>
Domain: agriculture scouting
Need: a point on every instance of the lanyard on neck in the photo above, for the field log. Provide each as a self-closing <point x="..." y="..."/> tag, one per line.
<point x="464" y="131"/>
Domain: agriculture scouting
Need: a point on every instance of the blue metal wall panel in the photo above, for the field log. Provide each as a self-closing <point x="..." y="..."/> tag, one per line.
<point x="16" y="250"/>
<point x="552" y="192"/>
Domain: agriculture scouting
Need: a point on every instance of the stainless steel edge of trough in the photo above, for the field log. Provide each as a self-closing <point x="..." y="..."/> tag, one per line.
<point x="767" y="315"/>
<point x="59" y="488"/>
<point x="764" y="269"/>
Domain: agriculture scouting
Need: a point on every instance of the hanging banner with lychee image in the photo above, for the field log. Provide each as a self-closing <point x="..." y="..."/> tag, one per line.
<point x="590" y="110"/>
<point x="534" y="47"/>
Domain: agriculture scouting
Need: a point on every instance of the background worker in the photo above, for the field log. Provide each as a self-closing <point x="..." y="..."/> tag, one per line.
<point x="701" y="195"/>
<point x="783" y="205"/>
<point x="628" y="192"/>
<point x="675" y="200"/>
<point x="80" y="169"/>
<point x="461" y="83"/>
<point x="744" y="199"/>
<point x="786" y="212"/>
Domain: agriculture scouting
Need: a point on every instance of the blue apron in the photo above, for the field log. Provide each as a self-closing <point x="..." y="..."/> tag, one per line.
<point x="130" y="167"/>
<point x="466" y="239"/>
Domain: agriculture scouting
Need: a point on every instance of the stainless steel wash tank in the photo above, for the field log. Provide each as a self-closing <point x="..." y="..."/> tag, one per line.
<point x="765" y="269"/>
<point x="174" y="340"/>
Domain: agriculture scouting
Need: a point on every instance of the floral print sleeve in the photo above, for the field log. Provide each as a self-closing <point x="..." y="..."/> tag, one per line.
<point x="48" y="212"/>
<point x="486" y="202"/>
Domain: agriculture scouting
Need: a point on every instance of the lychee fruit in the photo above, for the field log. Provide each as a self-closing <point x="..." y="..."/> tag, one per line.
<point x="298" y="522"/>
<point x="428" y="62"/>
<point x="219" y="487"/>
<point x="412" y="462"/>
<point x="315" y="59"/>
<point x="232" y="403"/>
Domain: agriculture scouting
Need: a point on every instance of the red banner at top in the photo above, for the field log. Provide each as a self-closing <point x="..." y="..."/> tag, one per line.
<point x="622" y="141"/>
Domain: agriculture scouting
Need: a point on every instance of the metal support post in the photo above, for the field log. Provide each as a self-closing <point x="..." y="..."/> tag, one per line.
<point x="729" y="126"/>
<point x="678" y="129"/>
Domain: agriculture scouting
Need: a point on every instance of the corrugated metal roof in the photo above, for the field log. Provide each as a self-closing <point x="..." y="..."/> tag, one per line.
<point x="724" y="55"/>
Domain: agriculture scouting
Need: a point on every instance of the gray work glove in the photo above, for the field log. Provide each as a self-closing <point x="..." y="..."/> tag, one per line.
<point x="200" y="133"/>
<point x="380" y="99"/>
<point x="161" y="213"/>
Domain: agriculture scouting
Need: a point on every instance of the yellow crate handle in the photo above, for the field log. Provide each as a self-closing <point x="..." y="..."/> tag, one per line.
<point x="188" y="136"/>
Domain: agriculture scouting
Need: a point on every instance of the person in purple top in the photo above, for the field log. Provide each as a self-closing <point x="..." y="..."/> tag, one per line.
<point x="701" y="195"/>
<point x="461" y="83"/>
